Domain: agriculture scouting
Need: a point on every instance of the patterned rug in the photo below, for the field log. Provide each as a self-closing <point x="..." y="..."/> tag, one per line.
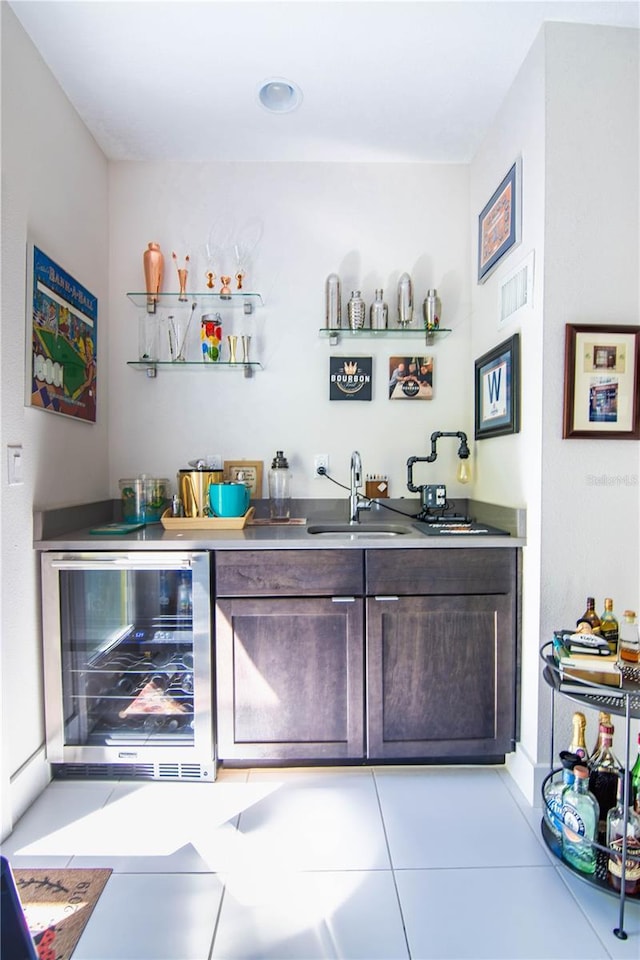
<point x="57" y="904"/>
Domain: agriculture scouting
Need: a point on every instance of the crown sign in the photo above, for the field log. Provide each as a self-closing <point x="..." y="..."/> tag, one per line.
<point x="350" y="368"/>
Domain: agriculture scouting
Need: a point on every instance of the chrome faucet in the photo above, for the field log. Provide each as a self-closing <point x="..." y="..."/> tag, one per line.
<point x="355" y="505"/>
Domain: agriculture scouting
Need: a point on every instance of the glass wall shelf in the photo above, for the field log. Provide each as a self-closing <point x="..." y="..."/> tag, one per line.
<point x="150" y="367"/>
<point x="247" y="301"/>
<point x="389" y="333"/>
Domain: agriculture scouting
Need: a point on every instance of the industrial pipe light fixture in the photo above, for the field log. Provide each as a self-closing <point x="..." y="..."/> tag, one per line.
<point x="278" y="95"/>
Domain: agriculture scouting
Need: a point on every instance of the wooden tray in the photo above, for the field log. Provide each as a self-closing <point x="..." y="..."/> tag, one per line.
<point x="205" y="523"/>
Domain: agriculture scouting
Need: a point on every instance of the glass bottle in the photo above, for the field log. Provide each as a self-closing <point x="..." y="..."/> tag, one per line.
<point x="579" y="822"/>
<point x="615" y="836"/>
<point x="184" y="597"/>
<point x="356" y="311"/>
<point x="578" y="745"/>
<point x="635" y="780"/>
<point x="590" y="616"/>
<point x="605" y="769"/>
<point x="629" y="642"/>
<point x="609" y="626"/>
<point x="554" y="791"/>
<point x="279" y="482"/>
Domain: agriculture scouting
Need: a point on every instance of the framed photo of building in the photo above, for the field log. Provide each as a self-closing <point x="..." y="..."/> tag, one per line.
<point x="497" y="390"/>
<point x="61" y="348"/>
<point x="601" y="382"/>
<point x="499" y="223"/>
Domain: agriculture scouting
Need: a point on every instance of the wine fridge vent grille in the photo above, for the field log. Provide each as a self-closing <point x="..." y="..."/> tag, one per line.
<point x="133" y="771"/>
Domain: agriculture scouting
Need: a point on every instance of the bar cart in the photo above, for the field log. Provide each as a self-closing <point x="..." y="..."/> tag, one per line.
<point x="127" y="662"/>
<point x="623" y="702"/>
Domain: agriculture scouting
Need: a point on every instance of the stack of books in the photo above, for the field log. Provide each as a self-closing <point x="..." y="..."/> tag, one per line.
<point x="584" y="659"/>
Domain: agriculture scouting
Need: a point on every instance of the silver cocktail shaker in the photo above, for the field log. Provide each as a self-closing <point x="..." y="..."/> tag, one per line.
<point x="356" y="311"/>
<point x="379" y="313"/>
<point x="333" y="305"/>
<point x="405" y="300"/>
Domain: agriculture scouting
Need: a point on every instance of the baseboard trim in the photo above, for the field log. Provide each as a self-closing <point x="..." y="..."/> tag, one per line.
<point x="26" y="785"/>
<point x="527" y="774"/>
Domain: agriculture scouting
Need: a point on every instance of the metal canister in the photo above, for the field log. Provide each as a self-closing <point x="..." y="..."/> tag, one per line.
<point x="379" y="313"/>
<point x="431" y="309"/>
<point x="333" y="303"/>
<point x="193" y="486"/>
<point x="405" y="300"/>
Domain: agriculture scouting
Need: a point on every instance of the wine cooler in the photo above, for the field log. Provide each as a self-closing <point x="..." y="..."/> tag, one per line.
<point x="127" y="662"/>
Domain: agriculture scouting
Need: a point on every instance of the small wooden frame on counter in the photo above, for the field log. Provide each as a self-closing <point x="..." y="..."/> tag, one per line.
<point x="601" y="382"/>
<point x="252" y="474"/>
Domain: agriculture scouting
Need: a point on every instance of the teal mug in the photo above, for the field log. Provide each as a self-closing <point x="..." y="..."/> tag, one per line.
<point x="229" y="499"/>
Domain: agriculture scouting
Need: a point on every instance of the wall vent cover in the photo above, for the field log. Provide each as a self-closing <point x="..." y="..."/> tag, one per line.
<point x="516" y="291"/>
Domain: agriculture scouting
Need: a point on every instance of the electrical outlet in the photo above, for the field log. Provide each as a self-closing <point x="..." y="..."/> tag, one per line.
<point x="320" y="460"/>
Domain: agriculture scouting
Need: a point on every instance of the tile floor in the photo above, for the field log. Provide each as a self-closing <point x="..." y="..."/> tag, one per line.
<point x="377" y="862"/>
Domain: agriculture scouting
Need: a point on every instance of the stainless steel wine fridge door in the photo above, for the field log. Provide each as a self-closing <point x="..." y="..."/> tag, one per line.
<point x="127" y="655"/>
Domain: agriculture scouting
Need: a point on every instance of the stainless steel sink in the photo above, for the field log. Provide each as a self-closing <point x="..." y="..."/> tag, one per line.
<point x="352" y="531"/>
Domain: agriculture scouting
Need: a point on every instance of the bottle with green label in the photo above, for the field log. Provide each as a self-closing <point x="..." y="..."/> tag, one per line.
<point x="579" y="823"/>
<point x="609" y="626"/>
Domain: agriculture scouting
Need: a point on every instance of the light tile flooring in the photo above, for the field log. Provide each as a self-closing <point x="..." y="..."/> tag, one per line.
<point x="366" y="862"/>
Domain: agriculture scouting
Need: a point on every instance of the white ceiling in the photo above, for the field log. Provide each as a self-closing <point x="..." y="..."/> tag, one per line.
<point x="382" y="80"/>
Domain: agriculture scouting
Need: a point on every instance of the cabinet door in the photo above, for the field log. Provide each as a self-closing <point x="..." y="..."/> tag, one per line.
<point x="290" y="678"/>
<point x="441" y="677"/>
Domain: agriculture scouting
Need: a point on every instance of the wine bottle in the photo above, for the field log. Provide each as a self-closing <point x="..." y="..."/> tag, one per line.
<point x="615" y="836"/>
<point x="590" y="616"/>
<point x="578" y="744"/>
<point x="609" y="625"/>
<point x="605" y="770"/>
<point x="579" y="822"/>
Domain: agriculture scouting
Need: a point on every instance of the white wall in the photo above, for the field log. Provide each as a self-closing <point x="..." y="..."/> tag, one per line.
<point x="509" y="467"/>
<point x="572" y="114"/>
<point x="54" y="191"/>
<point x="590" y="488"/>
<point x="367" y="222"/>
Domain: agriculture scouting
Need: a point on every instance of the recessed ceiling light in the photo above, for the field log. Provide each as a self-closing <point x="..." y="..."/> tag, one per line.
<point x="279" y="96"/>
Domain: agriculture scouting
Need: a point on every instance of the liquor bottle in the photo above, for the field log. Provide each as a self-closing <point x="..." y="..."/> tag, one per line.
<point x="603" y="717"/>
<point x="635" y="780"/>
<point x="590" y="616"/>
<point x="184" y="597"/>
<point x="609" y="625"/>
<point x="554" y="791"/>
<point x="604" y="774"/>
<point x="615" y="836"/>
<point x="578" y="744"/>
<point x="629" y="642"/>
<point x="579" y="822"/>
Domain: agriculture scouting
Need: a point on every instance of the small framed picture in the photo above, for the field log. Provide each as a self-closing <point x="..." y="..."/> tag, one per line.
<point x="497" y="390"/>
<point x="250" y="471"/>
<point x="350" y="378"/>
<point x="410" y="378"/>
<point x="601" y="385"/>
<point x="499" y="224"/>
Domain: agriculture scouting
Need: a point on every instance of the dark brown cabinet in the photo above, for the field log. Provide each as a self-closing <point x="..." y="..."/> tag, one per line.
<point x="377" y="654"/>
<point x="441" y="654"/>
<point x="290" y="665"/>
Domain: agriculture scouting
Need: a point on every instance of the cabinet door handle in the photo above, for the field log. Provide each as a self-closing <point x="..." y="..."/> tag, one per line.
<point x="385" y="598"/>
<point x="343" y="599"/>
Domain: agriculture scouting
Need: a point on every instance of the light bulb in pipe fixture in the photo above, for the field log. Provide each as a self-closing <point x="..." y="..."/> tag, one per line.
<point x="463" y="474"/>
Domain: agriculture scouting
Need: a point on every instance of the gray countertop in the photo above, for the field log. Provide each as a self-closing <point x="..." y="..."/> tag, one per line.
<point x="69" y="529"/>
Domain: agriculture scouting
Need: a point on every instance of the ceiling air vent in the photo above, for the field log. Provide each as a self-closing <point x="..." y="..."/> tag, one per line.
<point x="516" y="291"/>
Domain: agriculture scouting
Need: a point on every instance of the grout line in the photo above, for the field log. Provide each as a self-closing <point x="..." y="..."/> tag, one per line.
<point x="393" y="872"/>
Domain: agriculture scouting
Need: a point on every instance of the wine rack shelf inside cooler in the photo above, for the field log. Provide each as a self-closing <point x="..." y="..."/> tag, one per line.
<point x="140" y="690"/>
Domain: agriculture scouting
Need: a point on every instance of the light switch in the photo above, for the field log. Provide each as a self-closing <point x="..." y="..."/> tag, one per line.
<point x="14" y="463"/>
